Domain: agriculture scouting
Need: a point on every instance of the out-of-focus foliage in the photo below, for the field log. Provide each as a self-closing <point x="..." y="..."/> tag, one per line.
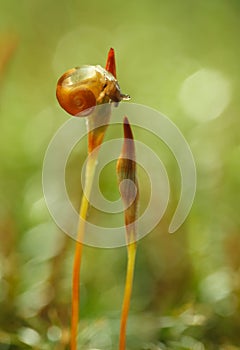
<point x="180" y="57"/>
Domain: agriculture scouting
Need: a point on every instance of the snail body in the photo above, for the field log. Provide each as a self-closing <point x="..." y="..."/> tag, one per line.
<point x="80" y="89"/>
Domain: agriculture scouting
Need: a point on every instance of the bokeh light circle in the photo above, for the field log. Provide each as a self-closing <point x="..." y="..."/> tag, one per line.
<point x="61" y="146"/>
<point x="205" y="94"/>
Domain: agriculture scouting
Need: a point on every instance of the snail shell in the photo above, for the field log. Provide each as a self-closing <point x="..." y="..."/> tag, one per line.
<point x="73" y="95"/>
<point x="79" y="90"/>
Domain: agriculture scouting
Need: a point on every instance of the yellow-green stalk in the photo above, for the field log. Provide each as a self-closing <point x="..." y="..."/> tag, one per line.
<point x="95" y="138"/>
<point x="128" y="186"/>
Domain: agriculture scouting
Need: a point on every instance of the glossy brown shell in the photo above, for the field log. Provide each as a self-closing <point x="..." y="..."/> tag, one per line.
<point x="74" y="97"/>
<point x="77" y="101"/>
<point x="80" y="89"/>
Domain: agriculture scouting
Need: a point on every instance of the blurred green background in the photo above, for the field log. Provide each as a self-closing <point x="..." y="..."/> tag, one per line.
<point x="181" y="58"/>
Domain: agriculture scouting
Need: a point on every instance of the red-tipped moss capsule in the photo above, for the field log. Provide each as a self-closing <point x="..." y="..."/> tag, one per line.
<point x="128" y="185"/>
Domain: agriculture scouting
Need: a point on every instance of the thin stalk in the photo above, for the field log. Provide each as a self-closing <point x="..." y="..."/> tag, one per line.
<point x="127" y="293"/>
<point x="126" y="170"/>
<point x="89" y="176"/>
<point x="95" y="138"/>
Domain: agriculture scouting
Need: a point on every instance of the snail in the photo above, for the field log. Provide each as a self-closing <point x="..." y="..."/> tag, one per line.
<point x="80" y="89"/>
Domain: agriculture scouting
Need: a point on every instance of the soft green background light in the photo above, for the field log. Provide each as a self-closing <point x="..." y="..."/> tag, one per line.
<point x="180" y="57"/>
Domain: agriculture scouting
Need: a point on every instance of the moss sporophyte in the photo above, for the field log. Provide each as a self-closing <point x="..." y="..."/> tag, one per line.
<point x="128" y="186"/>
<point x="79" y="91"/>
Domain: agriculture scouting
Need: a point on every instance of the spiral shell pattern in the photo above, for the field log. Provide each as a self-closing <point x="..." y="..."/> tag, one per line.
<point x="80" y="89"/>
